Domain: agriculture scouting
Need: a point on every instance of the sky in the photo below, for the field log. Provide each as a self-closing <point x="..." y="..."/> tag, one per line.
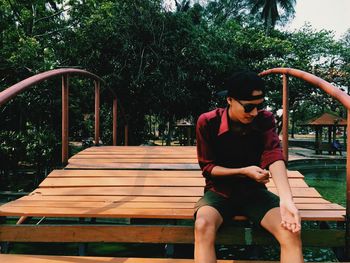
<point x="323" y="14"/>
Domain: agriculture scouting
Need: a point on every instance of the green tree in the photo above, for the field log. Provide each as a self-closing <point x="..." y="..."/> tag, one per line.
<point x="270" y="10"/>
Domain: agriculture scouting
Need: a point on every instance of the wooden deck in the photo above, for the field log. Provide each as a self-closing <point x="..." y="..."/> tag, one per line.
<point x="157" y="183"/>
<point x="151" y="182"/>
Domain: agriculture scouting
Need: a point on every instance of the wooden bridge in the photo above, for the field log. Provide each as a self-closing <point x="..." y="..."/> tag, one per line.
<point x="143" y="184"/>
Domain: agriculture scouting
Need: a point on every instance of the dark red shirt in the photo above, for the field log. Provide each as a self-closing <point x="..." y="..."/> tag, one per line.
<point x="256" y="144"/>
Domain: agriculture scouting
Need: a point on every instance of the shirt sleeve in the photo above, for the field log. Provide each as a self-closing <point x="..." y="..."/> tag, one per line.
<point x="272" y="149"/>
<point x="205" y="152"/>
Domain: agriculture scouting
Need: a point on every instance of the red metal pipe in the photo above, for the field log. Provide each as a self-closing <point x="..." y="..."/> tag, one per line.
<point x="285" y="118"/>
<point x="97" y="112"/>
<point x="115" y="124"/>
<point x="347" y="219"/>
<point x="65" y="91"/>
<point x="126" y="135"/>
<point x="344" y="99"/>
<point x="12" y="91"/>
<point x="336" y="93"/>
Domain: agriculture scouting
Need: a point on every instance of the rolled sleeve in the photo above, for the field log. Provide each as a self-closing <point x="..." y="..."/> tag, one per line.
<point x="272" y="151"/>
<point x="205" y="153"/>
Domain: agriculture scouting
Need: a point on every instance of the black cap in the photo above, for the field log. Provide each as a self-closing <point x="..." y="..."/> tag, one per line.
<point x="242" y="84"/>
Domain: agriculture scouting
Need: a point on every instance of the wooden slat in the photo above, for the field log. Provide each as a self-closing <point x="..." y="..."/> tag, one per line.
<point x="145" y="166"/>
<point x="77" y="259"/>
<point x="139" y="181"/>
<point x="143" y="173"/>
<point x="133" y="160"/>
<point x="133" y="156"/>
<point x="158" y="234"/>
<point x="152" y="191"/>
<point x="125" y="173"/>
<point x="111" y="212"/>
<point x="175" y="199"/>
<point x="140" y="205"/>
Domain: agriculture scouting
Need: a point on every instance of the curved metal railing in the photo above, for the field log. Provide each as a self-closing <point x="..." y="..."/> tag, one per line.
<point x="23" y="85"/>
<point x="336" y="93"/>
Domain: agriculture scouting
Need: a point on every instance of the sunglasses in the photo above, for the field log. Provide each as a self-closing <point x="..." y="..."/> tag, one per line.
<point x="251" y="106"/>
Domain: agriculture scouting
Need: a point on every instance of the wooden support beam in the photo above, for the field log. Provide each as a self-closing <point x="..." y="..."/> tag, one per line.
<point x="158" y="234"/>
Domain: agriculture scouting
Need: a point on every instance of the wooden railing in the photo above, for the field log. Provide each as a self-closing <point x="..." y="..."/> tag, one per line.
<point x="336" y="93"/>
<point x="65" y="73"/>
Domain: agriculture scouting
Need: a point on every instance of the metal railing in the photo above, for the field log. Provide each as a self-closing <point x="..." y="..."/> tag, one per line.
<point x="65" y="73"/>
<point x="336" y="93"/>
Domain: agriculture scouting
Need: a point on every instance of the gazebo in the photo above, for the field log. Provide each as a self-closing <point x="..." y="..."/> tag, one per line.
<point x="332" y="122"/>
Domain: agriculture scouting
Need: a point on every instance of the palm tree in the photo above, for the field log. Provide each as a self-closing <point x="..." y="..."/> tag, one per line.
<point x="270" y="10"/>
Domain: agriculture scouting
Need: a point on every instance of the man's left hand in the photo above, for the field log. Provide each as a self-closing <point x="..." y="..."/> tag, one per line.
<point x="290" y="216"/>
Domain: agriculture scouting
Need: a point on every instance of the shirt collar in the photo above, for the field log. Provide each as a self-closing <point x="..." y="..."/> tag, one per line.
<point x="224" y="126"/>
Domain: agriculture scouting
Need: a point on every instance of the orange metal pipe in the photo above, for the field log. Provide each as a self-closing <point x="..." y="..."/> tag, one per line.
<point x="347" y="234"/>
<point x="115" y="124"/>
<point x="65" y="91"/>
<point x="126" y="137"/>
<point x="285" y="118"/>
<point x="12" y="91"/>
<point x="341" y="96"/>
<point x="97" y="112"/>
<point x="344" y="99"/>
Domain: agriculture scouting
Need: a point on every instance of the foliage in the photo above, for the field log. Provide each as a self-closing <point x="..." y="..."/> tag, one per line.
<point x="160" y="63"/>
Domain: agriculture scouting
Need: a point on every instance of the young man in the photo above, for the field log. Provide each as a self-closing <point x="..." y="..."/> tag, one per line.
<point x="235" y="146"/>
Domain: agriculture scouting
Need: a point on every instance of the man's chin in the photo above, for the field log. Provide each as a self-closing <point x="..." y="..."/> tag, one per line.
<point x="247" y="120"/>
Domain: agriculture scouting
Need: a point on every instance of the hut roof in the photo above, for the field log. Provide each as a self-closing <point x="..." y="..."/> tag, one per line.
<point x="327" y="119"/>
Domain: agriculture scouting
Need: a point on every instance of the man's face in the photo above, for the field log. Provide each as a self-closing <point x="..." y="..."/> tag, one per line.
<point x="244" y="111"/>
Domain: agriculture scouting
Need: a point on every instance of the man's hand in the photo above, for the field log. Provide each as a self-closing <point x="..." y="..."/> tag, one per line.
<point x="290" y="216"/>
<point x="256" y="173"/>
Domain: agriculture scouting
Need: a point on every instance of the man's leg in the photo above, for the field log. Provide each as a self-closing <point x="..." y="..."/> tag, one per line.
<point x="291" y="247"/>
<point x="208" y="220"/>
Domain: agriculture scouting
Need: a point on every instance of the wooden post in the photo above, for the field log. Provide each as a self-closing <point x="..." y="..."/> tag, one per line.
<point x="115" y="125"/>
<point x="126" y="131"/>
<point x="347" y="217"/>
<point x="65" y="91"/>
<point x="285" y="118"/>
<point x="97" y="112"/>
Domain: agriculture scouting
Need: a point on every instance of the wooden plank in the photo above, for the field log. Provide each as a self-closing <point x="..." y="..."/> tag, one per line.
<point x="145" y="166"/>
<point x="151" y="191"/>
<point x="140" y="181"/>
<point x="78" y="259"/>
<point x="134" y="156"/>
<point x="124" y="173"/>
<point x="133" y="160"/>
<point x="175" y="199"/>
<point x="139" y="205"/>
<point x="157" y="234"/>
<point x="166" y="213"/>
<point x="143" y="173"/>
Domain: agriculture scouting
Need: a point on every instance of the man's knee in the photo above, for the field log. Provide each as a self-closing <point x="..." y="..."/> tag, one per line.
<point x="207" y="223"/>
<point x="288" y="239"/>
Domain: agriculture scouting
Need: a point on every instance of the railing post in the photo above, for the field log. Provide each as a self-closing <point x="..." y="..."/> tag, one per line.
<point x="347" y="216"/>
<point x="285" y="117"/>
<point x="126" y="131"/>
<point x="97" y="112"/>
<point x="65" y="91"/>
<point x="115" y="125"/>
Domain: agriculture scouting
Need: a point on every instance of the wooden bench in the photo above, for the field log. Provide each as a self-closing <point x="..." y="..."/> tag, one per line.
<point x="144" y="185"/>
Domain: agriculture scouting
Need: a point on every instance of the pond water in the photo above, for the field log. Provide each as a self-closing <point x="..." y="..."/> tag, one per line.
<point x="329" y="182"/>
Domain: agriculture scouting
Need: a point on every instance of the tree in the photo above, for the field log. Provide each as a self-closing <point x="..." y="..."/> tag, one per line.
<point x="270" y="10"/>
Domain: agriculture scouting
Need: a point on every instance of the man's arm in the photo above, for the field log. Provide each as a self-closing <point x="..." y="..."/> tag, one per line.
<point x="289" y="212"/>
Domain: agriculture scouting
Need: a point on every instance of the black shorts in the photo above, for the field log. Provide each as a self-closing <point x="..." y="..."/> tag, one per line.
<point x="252" y="202"/>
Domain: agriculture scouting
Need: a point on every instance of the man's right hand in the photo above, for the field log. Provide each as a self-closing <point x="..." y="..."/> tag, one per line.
<point x="257" y="174"/>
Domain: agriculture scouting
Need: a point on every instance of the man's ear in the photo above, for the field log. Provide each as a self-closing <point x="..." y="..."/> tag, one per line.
<point x="229" y="100"/>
